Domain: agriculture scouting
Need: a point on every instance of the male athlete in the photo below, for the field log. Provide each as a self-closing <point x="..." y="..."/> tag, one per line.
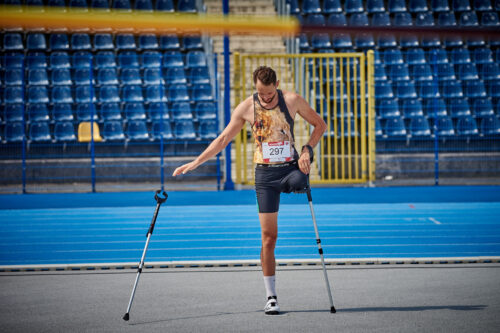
<point x="279" y="168"/>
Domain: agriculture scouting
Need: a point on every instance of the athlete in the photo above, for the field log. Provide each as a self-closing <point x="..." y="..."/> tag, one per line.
<point x="279" y="166"/>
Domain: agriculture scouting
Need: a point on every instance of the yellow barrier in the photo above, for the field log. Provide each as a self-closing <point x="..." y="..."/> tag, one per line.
<point x="340" y="87"/>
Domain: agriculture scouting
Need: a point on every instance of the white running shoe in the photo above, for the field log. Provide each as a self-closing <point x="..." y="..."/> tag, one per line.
<point x="272" y="307"/>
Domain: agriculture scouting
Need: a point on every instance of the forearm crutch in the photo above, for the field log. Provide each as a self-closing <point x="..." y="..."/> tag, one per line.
<point x="159" y="201"/>
<point x="320" y="249"/>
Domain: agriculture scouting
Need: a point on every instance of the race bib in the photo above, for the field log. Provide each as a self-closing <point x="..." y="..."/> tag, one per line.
<point x="276" y="151"/>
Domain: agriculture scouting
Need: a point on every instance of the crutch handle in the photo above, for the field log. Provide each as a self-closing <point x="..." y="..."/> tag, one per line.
<point x="159" y="199"/>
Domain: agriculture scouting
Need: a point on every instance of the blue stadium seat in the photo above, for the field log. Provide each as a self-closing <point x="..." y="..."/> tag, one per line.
<point x="435" y="107"/>
<point x="419" y="127"/>
<point x="381" y="19"/>
<point x="483" y="55"/>
<point x="384" y="40"/>
<point x="62" y="77"/>
<point x="82" y="76"/>
<point x="59" y="42"/>
<point x="483" y="107"/>
<point x="145" y="5"/>
<point x="482" y="5"/>
<point x="395" y="127"/>
<point x="36" y="60"/>
<point x="199" y="75"/>
<point x="103" y="41"/>
<point x="35" y="42"/>
<point x="62" y="112"/>
<point x="13" y="113"/>
<point x="101" y="4"/>
<point x="421" y="72"/>
<point x="39" y="132"/>
<point x="387" y="108"/>
<point x="418" y="6"/>
<point x="78" y="4"/>
<point x="38" y="3"/>
<point x="169" y="42"/>
<point x="184" y="130"/>
<point x="57" y="3"/>
<point x="321" y="41"/>
<point x="294" y="7"/>
<point x="353" y="6"/>
<point x="108" y="94"/>
<point x="148" y="42"/>
<point x="176" y="75"/>
<point x="128" y="59"/>
<point x="405" y="89"/>
<point x="207" y="130"/>
<point x="85" y="94"/>
<point x="398" y="72"/>
<point x="468" y="19"/>
<point x="490" y="125"/>
<point x="38" y="77"/>
<point x="447" y="19"/>
<point x="339" y="40"/>
<point x="475" y="89"/>
<point x="130" y="76"/>
<point x="154" y="93"/>
<point x="310" y="6"/>
<point x="375" y="6"/>
<point x="188" y="6"/>
<point x="62" y="94"/>
<point x="467" y="126"/>
<point x="110" y="111"/>
<point x="113" y="131"/>
<point x="396" y="6"/>
<point x="403" y="19"/>
<point x="13" y="77"/>
<point x="14" y="132"/>
<point x="460" y="56"/>
<point x="106" y="76"/>
<point x="104" y="59"/>
<point x="12" y="60"/>
<point x="177" y="93"/>
<point x="461" y="5"/>
<point x="13" y="95"/>
<point x="192" y="42"/>
<point x="393" y="57"/>
<point x="445" y="127"/>
<point x="201" y="93"/>
<point x="383" y="89"/>
<point x="84" y="112"/>
<point x="445" y="72"/>
<point x="157" y="111"/>
<point x="132" y="94"/>
<point x="82" y="59"/>
<point x="490" y="71"/>
<point x="440" y="6"/>
<point x="164" y="5"/>
<point x="134" y="111"/>
<point x="428" y="89"/>
<point x="181" y="110"/>
<point x="196" y="59"/>
<point x="37" y="112"/>
<point x="412" y="108"/>
<point x="490" y="19"/>
<point x="137" y="131"/>
<point x="452" y="89"/>
<point x="459" y="107"/>
<point x="467" y="72"/>
<point x="36" y="94"/>
<point x="172" y="59"/>
<point x="80" y="41"/>
<point x="153" y="76"/>
<point x="59" y="60"/>
<point x="379" y="133"/>
<point x="151" y="59"/>
<point x="331" y="6"/>
<point x="121" y="4"/>
<point x="125" y="42"/>
<point x="380" y="73"/>
<point x="205" y="110"/>
<point x="494" y="89"/>
<point x="13" y="41"/>
<point x="64" y="132"/>
<point x="161" y="129"/>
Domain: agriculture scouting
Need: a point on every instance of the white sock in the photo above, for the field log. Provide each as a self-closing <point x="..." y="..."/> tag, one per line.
<point x="270" y="282"/>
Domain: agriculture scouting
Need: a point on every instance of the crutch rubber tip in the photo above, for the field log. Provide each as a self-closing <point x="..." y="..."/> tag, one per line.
<point x="126" y="317"/>
<point x="332" y="309"/>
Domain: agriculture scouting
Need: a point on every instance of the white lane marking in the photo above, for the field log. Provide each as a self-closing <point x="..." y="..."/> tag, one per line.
<point x="434" y="220"/>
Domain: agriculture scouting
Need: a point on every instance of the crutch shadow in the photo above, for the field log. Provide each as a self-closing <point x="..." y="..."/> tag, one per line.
<point x="416" y="308"/>
<point x="218" y="314"/>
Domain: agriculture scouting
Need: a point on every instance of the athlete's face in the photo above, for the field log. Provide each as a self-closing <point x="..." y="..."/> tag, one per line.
<point x="266" y="93"/>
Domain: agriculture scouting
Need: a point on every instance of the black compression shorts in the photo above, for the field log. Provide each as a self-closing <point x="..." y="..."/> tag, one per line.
<point x="271" y="181"/>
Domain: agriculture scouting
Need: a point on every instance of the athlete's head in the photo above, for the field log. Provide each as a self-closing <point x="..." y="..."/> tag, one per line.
<point x="266" y="83"/>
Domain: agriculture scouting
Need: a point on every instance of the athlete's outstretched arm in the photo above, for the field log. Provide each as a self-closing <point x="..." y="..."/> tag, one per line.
<point x="234" y="127"/>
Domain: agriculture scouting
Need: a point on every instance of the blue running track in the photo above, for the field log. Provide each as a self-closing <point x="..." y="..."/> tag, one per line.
<point x="193" y="226"/>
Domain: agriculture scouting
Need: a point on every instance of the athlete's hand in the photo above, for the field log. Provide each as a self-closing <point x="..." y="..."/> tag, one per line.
<point x="184" y="168"/>
<point x="305" y="162"/>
